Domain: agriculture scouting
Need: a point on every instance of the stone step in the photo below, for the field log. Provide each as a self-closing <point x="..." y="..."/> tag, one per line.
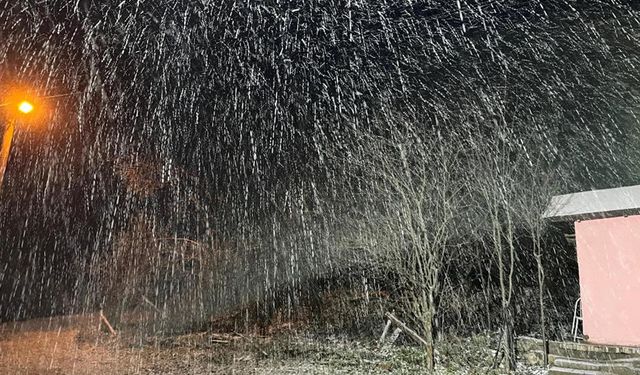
<point x="571" y="371"/>
<point x="536" y="357"/>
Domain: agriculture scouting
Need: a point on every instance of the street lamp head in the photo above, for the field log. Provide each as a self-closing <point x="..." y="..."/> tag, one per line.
<point x="20" y="102"/>
<point x="25" y="107"/>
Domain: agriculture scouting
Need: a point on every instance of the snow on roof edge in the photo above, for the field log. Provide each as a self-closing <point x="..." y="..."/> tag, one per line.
<point x="594" y="203"/>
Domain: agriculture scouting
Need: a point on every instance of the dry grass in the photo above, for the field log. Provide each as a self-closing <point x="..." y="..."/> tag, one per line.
<point x="72" y="345"/>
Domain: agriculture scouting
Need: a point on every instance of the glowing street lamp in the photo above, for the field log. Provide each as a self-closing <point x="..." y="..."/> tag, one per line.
<point x="16" y="111"/>
<point x="25" y="107"/>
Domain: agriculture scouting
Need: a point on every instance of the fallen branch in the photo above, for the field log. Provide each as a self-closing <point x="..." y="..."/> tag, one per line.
<point x="406" y="329"/>
<point x="104" y="319"/>
<point x="148" y="302"/>
<point x="215" y="341"/>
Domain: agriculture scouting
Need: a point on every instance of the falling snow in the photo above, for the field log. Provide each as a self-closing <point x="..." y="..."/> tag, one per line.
<point x="308" y="165"/>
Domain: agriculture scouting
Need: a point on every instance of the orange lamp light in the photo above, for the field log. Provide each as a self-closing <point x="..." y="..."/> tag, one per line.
<point x="25" y="107"/>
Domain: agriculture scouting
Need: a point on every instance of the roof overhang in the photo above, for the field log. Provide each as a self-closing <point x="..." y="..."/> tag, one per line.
<point x="594" y="204"/>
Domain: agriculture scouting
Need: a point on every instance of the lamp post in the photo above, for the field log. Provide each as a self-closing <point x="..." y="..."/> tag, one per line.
<point x="24" y="108"/>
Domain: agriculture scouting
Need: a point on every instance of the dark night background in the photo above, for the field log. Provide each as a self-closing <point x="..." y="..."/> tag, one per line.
<point x="224" y="109"/>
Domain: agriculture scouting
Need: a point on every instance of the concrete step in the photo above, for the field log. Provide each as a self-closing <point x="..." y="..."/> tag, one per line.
<point x="571" y="371"/>
<point x="608" y="367"/>
<point x="631" y="362"/>
<point x="579" y="364"/>
<point x="583" y="350"/>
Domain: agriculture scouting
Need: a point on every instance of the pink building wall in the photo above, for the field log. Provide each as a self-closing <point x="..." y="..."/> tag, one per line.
<point x="609" y="267"/>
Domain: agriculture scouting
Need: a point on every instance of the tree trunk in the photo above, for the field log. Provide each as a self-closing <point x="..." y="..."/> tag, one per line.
<point x="509" y="339"/>
<point x="428" y="337"/>
<point x="543" y="329"/>
<point x="430" y="358"/>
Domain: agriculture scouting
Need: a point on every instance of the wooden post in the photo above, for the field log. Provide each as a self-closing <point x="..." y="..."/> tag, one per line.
<point x="394" y="336"/>
<point x="545" y="352"/>
<point x="384" y="333"/>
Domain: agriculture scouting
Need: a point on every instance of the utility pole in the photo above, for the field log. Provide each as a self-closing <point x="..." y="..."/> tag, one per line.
<point x="21" y="109"/>
<point x="7" y="138"/>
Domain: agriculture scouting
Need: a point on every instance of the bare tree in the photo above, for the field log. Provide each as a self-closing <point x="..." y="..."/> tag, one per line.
<point x="409" y="213"/>
<point x="537" y="187"/>
<point x="493" y="179"/>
